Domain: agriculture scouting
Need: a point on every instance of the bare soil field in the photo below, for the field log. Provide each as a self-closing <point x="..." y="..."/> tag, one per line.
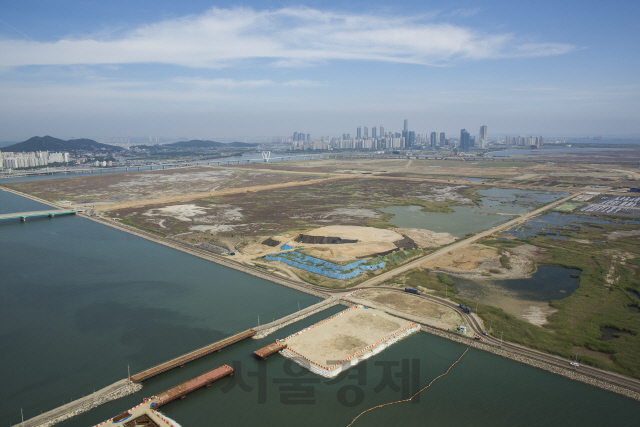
<point x="547" y="170"/>
<point x="131" y="186"/>
<point x="341" y="337"/>
<point x="435" y="314"/>
<point x="270" y="212"/>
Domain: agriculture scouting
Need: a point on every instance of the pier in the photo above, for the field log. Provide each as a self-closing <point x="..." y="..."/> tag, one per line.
<point x="181" y="390"/>
<point x="189" y="357"/>
<point x="270" y="349"/>
<point x="24" y="215"/>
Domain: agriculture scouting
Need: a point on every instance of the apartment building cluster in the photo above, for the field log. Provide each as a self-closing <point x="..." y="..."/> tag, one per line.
<point x="11" y="160"/>
<point x="528" y="141"/>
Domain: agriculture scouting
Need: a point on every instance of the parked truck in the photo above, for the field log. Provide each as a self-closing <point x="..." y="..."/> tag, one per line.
<point x="412" y="291"/>
<point x="465" y="309"/>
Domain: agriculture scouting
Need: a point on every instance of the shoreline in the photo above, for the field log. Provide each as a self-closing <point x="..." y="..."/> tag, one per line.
<point x="303" y="287"/>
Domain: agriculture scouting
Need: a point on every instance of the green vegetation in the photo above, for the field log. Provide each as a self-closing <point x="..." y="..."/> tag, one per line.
<point x="129" y="221"/>
<point x="593" y="306"/>
<point x="504" y="261"/>
<point x="433" y="281"/>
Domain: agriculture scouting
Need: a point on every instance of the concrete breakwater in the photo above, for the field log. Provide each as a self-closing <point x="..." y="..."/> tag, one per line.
<point x="565" y="372"/>
<point x="112" y="392"/>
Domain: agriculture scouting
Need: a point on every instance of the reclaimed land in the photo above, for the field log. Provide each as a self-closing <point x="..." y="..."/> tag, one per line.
<point x="531" y="174"/>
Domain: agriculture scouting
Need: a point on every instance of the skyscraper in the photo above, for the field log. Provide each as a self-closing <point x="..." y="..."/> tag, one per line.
<point x="373" y="133"/>
<point x="443" y="140"/>
<point x="406" y="125"/>
<point x="433" y="140"/>
<point x="366" y="132"/>
<point x="382" y="135"/>
<point x="359" y="133"/>
<point x="465" y="140"/>
<point x="482" y="136"/>
<point x="411" y="135"/>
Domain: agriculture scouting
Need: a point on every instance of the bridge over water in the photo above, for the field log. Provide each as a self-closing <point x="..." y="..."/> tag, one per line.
<point x="24" y="215"/>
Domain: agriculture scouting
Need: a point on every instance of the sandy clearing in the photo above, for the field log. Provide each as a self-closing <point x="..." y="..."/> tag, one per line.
<point x="432" y="313"/>
<point x="181" y="212"/>
<point x="339" y="338"/>
<point x="427" y="238"/>
<point x="617" y="235"/>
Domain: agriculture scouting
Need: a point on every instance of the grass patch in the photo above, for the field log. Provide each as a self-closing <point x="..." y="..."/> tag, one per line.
<point x="504" y="261"/>
<point x="129" y="221"/>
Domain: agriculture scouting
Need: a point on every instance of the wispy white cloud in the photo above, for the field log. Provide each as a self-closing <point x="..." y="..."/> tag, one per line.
<point x="284" y="37"/>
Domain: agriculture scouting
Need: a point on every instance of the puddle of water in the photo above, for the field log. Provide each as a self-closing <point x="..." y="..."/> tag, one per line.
<point x="634" y="308"/>
<point x="473" y="179"/>
<point x="546" y="284"/>
<point x="609" y="334"/>
<point x="633" y="294"/>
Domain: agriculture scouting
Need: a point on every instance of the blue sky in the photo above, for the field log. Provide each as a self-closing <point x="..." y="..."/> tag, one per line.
<point x="250" y="69"/>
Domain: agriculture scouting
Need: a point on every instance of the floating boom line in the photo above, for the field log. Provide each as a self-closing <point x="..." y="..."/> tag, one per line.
<point x="417" y="393"/>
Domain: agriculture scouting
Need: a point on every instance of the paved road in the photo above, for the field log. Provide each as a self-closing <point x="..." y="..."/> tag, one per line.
<point x="415" y="264"/>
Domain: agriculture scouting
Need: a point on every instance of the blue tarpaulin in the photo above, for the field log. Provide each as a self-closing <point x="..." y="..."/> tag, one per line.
<point x="324" y="268"/>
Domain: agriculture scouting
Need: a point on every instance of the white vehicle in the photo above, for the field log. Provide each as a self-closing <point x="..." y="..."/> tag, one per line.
<point x="576" y="364"/>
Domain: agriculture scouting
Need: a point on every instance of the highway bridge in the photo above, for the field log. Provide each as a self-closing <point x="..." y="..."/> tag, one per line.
<point x="35" y="214"/>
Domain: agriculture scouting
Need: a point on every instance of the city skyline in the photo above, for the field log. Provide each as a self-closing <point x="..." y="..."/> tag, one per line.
<point x="113" y="70"/>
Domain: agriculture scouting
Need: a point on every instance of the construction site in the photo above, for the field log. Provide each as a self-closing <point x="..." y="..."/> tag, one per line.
<point x="324" y="227"/>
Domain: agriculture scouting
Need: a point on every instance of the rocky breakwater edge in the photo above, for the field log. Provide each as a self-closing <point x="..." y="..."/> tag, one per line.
<point x="565" y="372"/>
<point x="115" y="391"/>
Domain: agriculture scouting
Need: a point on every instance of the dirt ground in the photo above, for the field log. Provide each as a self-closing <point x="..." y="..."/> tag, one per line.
<point x="267" y="212"/>
<point x="477" y="261"/>
<point x="345" y="335"/>
<point x="132" y="186"/>
<point x="434" y="314"/>
<point x="548" y="170"/>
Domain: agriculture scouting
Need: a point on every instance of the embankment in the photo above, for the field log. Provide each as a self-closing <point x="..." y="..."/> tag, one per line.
<point x="114" y="391"/>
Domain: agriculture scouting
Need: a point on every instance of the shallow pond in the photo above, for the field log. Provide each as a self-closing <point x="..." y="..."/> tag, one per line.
<point x="497" y="205"/>
<point x="552" y="224"/>
<point x="609" y="334"/>
<point x="463" y="221"/>
<point x="546" y="284"/>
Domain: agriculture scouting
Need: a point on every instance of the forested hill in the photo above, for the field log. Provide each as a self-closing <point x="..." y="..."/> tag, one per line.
<point x="49" y="143"/>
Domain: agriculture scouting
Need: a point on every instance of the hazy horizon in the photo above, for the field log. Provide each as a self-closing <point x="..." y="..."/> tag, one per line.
<point x="248" y="70"/>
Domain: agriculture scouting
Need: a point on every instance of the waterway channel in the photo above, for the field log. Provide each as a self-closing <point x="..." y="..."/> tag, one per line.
<point x="80" y="301"/>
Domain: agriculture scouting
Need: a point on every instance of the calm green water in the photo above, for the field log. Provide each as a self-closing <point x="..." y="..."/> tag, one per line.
<point x="79" y="301"/>
<point x="546" y="284"/>
<point x="482" y="390"/>
<point x="469" y="219"/>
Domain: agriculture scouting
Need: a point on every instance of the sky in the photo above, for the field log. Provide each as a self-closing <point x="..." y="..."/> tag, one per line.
<point x="229" y="69"/>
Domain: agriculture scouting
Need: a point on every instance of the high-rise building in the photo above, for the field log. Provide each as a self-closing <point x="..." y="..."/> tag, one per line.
<point x="308" y="137"/>
<point x="406" y="125"/>
<point x="382" y="135"/>
<point x="483" y="136"/>
<point x="366" y="132"/>
<point x="295" y="136"/>
<point x="443" y="140"/>
<point x="405" y="135"/>
<point x="359" y="133"/>
<point x="465" y="140"/>
<point x="373" y="133"/>
<point x="432" y="140"/>
<point x="411" y="141"/>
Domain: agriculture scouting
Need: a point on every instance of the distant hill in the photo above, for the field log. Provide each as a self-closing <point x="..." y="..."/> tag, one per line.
<point x="197" y="143"/>
<point x="49" y="143"/>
